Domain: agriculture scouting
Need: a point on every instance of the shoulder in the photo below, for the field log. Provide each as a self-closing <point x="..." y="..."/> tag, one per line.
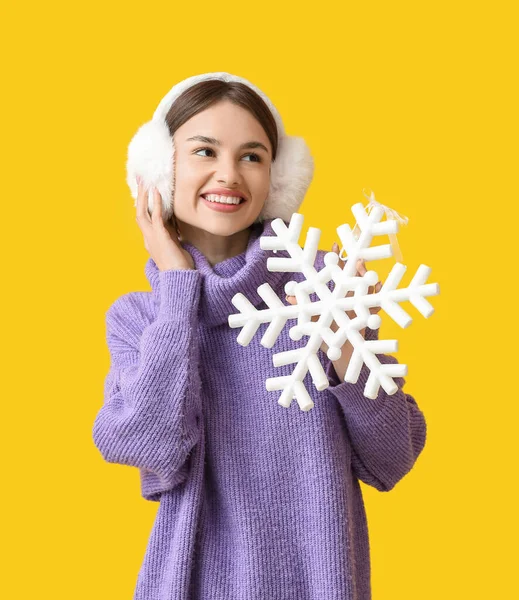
<point x="131" y="304"/>
<point x="129" y="315"/>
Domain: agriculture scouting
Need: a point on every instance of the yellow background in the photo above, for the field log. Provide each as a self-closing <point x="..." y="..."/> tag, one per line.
<point x="415" y="101"/>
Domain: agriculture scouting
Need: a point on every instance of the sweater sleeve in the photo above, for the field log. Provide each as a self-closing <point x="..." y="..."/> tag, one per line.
<point x="387" y="433"/>
<point x="152" y="393"/>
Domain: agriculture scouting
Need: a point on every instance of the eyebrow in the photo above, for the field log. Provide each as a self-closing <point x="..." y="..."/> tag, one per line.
<point x="215" y="142"/>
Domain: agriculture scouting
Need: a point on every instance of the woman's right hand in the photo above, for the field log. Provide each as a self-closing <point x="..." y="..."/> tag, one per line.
<point x="160" y="238"/>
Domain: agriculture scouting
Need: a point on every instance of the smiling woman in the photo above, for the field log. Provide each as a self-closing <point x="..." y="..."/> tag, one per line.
<point x="256" y="500"/>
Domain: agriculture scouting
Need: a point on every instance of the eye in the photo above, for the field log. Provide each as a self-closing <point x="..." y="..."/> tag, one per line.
<point x="257" y="158"/>
<point x="202" y="149"/>
<point x="255" y="155"/>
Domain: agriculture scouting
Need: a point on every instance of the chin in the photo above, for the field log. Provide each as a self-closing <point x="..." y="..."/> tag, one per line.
<point x="227" y="229"/>
<point x="221" y="224"/>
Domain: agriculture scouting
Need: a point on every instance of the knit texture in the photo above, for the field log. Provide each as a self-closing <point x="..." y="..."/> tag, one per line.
<point x="257" y="501"/>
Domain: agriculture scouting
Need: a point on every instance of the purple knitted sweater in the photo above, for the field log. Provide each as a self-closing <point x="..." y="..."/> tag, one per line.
<point x="257" y="501"/>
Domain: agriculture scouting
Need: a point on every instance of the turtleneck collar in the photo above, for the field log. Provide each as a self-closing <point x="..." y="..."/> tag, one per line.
<point x="243" y="273"/>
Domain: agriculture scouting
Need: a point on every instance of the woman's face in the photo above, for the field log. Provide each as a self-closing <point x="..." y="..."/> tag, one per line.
<point x="202" y="165"/>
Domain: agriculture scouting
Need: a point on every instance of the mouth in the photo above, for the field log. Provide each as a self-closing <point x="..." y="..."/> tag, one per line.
<point x="242" y="201"/>
<point x="223" y="207"/>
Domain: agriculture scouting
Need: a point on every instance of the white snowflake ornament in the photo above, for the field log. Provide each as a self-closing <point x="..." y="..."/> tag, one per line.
<point x="332" y="305"/>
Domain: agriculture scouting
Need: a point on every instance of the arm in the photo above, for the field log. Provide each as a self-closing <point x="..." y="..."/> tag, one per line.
<point x="387" y="434"/>
<point x="152" y="400"/>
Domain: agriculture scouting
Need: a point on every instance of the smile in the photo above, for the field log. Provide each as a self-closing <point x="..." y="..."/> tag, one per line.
<point x="223" y="203"/>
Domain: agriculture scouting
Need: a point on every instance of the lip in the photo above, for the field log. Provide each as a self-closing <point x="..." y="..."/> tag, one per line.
<point x="226" y="192"/>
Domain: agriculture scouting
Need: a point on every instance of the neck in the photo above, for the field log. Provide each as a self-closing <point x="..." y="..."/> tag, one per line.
<point x="216" y="248"/>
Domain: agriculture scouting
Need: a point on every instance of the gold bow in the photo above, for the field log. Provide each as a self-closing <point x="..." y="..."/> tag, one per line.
<point x="390" y="214"/>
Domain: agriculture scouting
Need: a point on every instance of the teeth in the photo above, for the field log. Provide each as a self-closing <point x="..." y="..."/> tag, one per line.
<point x="222" y="199"/>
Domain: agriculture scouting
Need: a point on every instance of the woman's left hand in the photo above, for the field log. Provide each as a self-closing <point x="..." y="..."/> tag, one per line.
<point x="361" y="270"/>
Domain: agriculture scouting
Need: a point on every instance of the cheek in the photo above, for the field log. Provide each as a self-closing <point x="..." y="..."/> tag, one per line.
<point x="188" y="175"/>
<point x="264" y="183"/>
<point x="260" y="177"/>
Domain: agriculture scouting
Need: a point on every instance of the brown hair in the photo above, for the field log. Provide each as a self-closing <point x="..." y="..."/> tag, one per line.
<point x="200" y="96"/>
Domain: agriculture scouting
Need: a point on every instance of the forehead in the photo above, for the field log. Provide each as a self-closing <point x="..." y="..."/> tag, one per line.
<point x="223" y="121"/>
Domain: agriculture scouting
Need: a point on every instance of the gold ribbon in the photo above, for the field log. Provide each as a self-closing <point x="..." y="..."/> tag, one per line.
<point x="390" y="214"/>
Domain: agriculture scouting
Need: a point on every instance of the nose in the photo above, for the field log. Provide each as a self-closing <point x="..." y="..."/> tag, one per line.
<point x="227" y="172"/>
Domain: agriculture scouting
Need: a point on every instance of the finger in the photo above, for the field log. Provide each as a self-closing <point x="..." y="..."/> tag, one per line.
<point x="143" y="213"/>
<point x="156" y="215"/>
<point x="375" y="289"/>
<point x="138" y="202"/>
<point x="175" y="223"/>
<point x="335" y="248"/>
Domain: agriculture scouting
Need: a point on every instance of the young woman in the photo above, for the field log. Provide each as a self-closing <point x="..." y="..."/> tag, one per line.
<point x="257" y="501"/>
